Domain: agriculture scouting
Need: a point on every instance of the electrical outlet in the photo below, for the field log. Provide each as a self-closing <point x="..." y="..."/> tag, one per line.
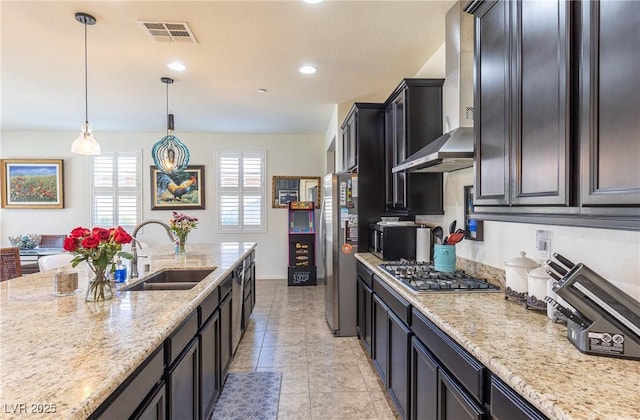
<point x="543" y="244"/>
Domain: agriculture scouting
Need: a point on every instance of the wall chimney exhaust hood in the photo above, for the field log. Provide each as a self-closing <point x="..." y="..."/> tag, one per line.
<point x="454" y="149"/>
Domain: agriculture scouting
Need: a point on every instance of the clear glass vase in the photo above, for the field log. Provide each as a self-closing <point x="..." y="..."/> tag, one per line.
<point x="180" y="249"/>
<point x="99" y="288"/>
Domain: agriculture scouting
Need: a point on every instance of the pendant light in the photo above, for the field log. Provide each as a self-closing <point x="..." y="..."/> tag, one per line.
<point x="85" y="144"/>
<point x="169" y="153"/>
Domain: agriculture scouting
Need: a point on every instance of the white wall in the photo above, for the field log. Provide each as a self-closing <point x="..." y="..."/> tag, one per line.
<point x="614" y="254"/>
<point x="300" y="155"/>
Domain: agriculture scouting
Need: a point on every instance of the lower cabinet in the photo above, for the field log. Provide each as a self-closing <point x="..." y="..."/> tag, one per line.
<point x="364" y="316"/>
<point x="183" y="378"/>
<point x="424" y="383"/>
<point x="506" y="404"/>
<point x="209" y="365"/>
<point x="427" y="374"/>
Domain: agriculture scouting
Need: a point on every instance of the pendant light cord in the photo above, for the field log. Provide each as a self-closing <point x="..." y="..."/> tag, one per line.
<point x="86" y="84"/>
<point x="167" y="109"/>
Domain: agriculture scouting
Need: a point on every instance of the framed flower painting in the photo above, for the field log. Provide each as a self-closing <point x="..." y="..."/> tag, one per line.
<point x="32" y="184"/>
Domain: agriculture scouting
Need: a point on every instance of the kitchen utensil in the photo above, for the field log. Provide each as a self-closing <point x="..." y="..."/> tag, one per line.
<point x="516" y="277"/>
<point x="552" y="313"/>
<point x="461" y="231"/>
<point x="567" y="312"/>
<point x="452" y="227"/>
<point x="438" y="233"/>
<point x="558" y="269"/>
<point x="455" y="238"/>
<point x="554" y="275"/>
<point x="563" y="260"/>
<point x="446" y="240"/>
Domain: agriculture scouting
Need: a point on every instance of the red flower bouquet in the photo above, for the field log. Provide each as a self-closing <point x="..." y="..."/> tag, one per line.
<point x="97" y="247"/>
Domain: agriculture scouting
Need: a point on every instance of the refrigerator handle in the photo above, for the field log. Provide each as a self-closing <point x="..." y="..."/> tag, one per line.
<point x="323" y="239"/>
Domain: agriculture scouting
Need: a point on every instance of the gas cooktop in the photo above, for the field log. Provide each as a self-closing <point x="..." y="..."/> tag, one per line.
<point x="422" y="277"/>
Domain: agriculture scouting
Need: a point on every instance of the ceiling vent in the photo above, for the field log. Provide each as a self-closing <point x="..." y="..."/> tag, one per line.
<point x="178" y="32"/>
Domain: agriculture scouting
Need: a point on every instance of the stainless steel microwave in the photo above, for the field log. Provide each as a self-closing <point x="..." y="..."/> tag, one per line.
<point x="393" y="242"/>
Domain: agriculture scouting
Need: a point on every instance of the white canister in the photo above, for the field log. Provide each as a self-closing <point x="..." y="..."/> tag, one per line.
<point x="537" y="288"/>
<point x="517" y="283"/>
<point x="423" y="244"/>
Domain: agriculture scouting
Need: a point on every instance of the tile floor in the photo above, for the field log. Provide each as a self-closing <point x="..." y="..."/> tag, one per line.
<point x="323" y="377"/>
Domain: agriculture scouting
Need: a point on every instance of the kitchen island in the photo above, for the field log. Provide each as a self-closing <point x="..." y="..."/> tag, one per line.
<point x="61" y="357"/>
<point x="517" y="347"/>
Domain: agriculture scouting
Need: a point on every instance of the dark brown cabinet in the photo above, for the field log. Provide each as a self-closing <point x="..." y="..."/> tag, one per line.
<point x="424" y="383"/>
<point x="522" y="126"/>
<point x="610" y="104"/>
<point x="226" y="341"/>
<point x="556" y="116"/>
<point x="380" y="339"/>
<point x="507" y="405"/>
<point x="454" y="403"/>
<point x="183" y="384"/>
<point x="399" y="357"/>
<point x="413" y="119"/>
<point x="364" y="304"/>
<point x="365" y="123"/>
<point x="209" y="367"/>
<point x="349" y="143"/>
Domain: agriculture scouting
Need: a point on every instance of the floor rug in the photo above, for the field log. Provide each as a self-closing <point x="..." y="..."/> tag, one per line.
<point x="249" y="395"/>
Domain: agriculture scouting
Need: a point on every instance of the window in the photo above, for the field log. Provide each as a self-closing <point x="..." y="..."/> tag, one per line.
<point x="116" y="186"/>
<point x="241" y="191"/>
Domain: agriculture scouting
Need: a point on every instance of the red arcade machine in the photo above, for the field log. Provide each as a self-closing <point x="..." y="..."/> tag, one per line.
<point x="302" y="240"/>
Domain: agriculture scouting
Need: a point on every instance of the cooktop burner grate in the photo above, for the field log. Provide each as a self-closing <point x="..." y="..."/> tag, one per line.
<point x="422" y="277"/>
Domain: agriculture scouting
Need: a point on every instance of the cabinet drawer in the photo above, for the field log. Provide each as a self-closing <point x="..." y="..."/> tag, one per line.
<point x="208" y="306"/>
<point x="461" y="364"/>
<point x="134" y="390"/>
<point x="506" y="404"/>
<point x="365" y="274"/>
<point x="181" y="337"/>
<point x="397" y="304"/>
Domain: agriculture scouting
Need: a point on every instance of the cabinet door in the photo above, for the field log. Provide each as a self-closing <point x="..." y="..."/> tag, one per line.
<point x="454" y="402"/>
<point x="492" y="116"/>
<point x="364" y="307"/>
<point x="183" y="384"/>
<point x="389" y="159"/>
<point x="225" y="336"/>
<point x="398" y="367"/>
<point x="156" y="407"/>
<point x="399" y="151"/>
<point x="424" y="383"/>
<point x="380" y="337"/>
<point x="610" y="103"/>
<point x="541" y="32"/>
<point x="209" y="365"/>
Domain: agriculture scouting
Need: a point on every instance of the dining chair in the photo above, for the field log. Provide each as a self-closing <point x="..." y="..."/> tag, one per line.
<point x="10" y="263"/>
<point x="52" y="241"/>
<point x="49" y="262"/>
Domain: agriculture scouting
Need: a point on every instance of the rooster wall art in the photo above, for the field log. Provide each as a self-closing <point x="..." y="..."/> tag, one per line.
<point x="182" y="189"/>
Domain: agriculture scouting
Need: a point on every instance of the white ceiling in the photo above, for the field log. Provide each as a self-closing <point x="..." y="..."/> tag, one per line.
<point x="361" y="49"/>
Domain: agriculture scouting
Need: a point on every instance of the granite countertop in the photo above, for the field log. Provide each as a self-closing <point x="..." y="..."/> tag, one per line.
<point x="61" y="357"/>
<point x="530" y="353"/>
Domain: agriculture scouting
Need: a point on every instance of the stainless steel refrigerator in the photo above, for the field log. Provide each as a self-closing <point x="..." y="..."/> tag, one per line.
<point x="338" y="245"/>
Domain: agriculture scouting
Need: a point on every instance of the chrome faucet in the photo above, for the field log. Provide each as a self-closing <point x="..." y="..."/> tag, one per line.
<point x="134" y="251"/>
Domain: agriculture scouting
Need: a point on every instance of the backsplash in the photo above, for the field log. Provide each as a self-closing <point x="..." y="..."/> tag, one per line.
<point x="482" y="271"/>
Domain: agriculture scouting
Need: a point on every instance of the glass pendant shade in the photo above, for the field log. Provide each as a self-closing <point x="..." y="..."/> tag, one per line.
<point x="86" y="144"/>
<point x="170" y="154"/>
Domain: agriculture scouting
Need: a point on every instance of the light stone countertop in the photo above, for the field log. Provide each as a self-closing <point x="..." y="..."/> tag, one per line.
<point x="530" y="353"/>
<point x="65" y="355"/>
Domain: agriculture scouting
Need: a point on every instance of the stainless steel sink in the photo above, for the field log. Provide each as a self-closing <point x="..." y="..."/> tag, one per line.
<point x="172" y="280"/>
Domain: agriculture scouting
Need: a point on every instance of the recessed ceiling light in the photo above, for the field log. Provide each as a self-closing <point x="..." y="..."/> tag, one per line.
<point x="177" y="66"/>
<point x="307" y="70"/>
<point x="262" y="90"/>
<point x="313" y="1"/>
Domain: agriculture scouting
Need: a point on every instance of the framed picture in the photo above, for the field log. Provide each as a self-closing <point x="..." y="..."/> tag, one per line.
<point x="295" y="188"/>
<point x="285" y="196"/>
<point x="181" y="190"/>
<point x="32" y="184"/>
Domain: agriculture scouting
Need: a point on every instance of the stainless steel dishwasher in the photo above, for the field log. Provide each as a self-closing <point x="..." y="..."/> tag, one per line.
<point x="237" y="294"/>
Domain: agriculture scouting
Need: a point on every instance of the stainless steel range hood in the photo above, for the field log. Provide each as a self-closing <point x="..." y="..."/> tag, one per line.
<point x="454" y="149"/>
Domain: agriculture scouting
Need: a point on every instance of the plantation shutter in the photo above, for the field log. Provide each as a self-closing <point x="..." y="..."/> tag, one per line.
<point x="241" y="192"/>
<point x="116" y="187"/>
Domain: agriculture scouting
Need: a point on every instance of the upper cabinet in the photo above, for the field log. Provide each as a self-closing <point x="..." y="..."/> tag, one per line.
<point x="413" y="119"/>
<point x="522" y="103"/>
<point x="610" y="103"/>
<point x="557" y="106"/>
